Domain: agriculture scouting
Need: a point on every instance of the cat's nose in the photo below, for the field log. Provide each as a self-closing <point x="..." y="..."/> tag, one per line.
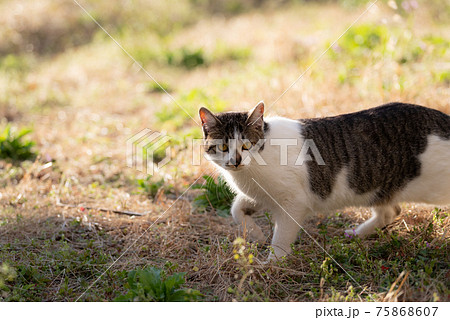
<point x="236" y="161"/>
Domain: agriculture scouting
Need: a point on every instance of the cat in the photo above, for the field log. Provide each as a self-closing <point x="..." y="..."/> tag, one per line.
<point x="374" y="158"/>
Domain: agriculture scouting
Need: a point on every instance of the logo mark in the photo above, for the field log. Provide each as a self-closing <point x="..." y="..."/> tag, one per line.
<point x="144" y="151"/>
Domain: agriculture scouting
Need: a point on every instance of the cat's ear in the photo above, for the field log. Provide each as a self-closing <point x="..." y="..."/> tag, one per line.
<point x="208" y="118"/>
<point x="255" y="117"/>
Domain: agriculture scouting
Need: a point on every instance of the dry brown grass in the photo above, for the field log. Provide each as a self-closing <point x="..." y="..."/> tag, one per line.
<point x="199" y="244"/>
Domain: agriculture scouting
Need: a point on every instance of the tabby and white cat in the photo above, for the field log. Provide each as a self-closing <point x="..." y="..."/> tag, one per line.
<point x="293" y="168"/>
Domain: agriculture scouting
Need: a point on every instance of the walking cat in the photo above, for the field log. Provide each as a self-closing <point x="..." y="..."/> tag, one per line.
<point x="293" y="168"/>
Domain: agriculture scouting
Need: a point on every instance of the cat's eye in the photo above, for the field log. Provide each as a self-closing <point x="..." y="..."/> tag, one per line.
<point x="222" y="147"/>
<point x="247" y="145"/>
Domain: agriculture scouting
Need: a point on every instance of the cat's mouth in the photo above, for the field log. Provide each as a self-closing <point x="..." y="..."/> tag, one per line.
<point x="231" y="167"/>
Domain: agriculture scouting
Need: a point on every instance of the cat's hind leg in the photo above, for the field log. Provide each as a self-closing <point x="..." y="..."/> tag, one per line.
<point x="241" y="211"/>
<point x="381" y="216"/>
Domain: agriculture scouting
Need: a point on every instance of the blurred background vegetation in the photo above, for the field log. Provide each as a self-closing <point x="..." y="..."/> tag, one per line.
<point x="65" y="79"/>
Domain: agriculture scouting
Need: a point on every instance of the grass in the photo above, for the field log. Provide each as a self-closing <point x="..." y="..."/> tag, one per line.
<point x="13" y="147"/>
<point x="215" y="197"/>
<point x="152" y="284"/>
<point x="13" y="63"/>
<point x="71" y="266"/>
<point x="170" y="118"/>
<point x="84" y="98"/>
<point x="153" y="87"/>
<point x="152" y="186"/>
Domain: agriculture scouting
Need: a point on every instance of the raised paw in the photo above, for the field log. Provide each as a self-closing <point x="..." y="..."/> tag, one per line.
<point x="363" y="230"/>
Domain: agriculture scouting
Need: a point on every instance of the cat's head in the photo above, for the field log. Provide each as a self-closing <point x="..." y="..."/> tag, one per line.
<point x="230" y="138"/>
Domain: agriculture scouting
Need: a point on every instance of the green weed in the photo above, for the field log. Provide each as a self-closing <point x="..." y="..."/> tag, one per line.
<point x="153" y="87"/>
<point x="250" y="287"/>
<point x="369" y="43"/>
<point x="150" y="187"/>
<point x="14" y="63"/>
<point x="186" y="57"/>
<point x="364" y="40"/>
<point x="7" y="274"/>
<point x="152" y="284"/>
<point x="13" y="147"/>
<point x="215" y="196"/>
<point x="438" y="46"/>
<point x="45" y="261"/>
<point x="146" y="54"/>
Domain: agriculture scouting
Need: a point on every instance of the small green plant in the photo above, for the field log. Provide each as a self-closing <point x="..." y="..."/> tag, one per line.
<point x="150" y="187"/>
<point x="12" y="146"/>
<point x="7" y="274"/>
<point x="217" y="196"/>
<point x="442" y="76"/>
<point x="185" y="57"/>
<point x="161" y="87"/>
<point x="14" y="63"/>
<point x="152" y="284"/>
<point x="364" y="39"/>
<point x="249" y="287"/>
